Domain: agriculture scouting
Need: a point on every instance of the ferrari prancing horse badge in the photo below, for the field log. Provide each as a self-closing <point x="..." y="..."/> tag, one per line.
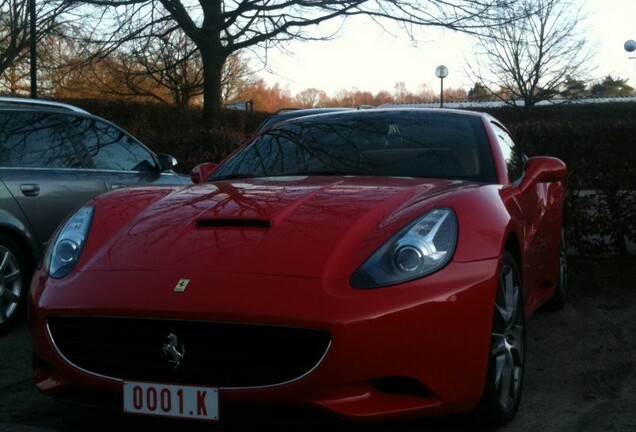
<point x="181" y="285"/>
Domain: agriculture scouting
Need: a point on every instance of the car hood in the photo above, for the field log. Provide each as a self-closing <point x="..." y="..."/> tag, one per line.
<point x="301" y="226"/>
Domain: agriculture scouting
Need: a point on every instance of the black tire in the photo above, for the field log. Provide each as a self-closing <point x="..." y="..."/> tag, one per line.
<point x="506" y="357"/>
<point x="14" y="282"/>
<point x="558" y="300"/>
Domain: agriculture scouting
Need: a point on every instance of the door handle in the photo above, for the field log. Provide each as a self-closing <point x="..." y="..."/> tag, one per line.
<point x="30" y="190"/>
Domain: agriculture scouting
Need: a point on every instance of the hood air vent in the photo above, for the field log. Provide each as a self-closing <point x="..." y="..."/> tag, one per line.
<point x="233" y="223"/>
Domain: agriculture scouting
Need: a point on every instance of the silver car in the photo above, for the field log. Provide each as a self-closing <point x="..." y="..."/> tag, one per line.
<point x="53" y="158"/>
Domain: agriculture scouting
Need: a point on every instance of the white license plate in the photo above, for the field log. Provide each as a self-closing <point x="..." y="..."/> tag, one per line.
<point x="195" y="403"/>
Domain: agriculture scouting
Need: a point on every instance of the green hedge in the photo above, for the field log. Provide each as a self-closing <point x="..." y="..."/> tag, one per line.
<point x="598" y="144"/>
<point x="596" y="141"/>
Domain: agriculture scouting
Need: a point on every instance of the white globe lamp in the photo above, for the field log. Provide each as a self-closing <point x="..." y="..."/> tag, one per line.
<point x="441" y="72"/>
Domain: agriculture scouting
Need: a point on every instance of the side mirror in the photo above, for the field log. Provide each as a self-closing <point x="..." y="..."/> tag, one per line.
<point x="202" y="171"/>
<point x="542" y="169"/>
<point x="166" y="162"/>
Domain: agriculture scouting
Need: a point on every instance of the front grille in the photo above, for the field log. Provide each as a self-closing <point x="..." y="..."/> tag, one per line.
<point x="215" y="354"/>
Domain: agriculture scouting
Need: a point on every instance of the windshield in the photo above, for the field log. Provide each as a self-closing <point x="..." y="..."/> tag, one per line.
<point x="381" y="143"/>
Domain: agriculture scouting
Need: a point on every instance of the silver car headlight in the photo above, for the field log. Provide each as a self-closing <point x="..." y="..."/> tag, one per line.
<point x="421" y="248"/>
<point x="66" y="247"/>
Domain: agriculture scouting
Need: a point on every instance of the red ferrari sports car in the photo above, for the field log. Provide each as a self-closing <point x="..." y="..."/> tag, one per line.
<point x="373" y="265"/>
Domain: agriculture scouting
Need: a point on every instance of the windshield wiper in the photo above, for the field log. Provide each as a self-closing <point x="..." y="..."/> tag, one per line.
<point x="311" y="173"/>
<point x="326" y="172"/>
<point x="233" y="176"/>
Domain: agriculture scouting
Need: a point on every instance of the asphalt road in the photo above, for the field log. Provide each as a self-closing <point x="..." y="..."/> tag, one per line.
<point x="580" y="373"/>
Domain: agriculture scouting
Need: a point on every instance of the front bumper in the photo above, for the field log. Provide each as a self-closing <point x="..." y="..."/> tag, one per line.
<point x="402" y="352"/>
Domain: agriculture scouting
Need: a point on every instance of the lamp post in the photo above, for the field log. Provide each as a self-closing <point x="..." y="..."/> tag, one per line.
<point x="33" y="37"/>
<point x="441" y="72"/>
<point x="630" y="47"/>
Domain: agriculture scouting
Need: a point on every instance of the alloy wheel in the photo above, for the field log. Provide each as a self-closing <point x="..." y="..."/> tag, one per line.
<point x="508" y="338"/>
<point x="10" y="284"/>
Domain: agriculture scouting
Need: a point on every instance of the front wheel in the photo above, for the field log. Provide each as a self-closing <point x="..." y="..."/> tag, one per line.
<point x="504" y="378"/>
<point x="13" y="282"/>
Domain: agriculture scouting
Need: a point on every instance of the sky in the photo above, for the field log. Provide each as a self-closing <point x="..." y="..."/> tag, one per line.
<point x="366" y="58"/>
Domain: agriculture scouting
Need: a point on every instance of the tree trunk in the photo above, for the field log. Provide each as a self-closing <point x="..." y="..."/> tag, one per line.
<point x="213" y="60"/>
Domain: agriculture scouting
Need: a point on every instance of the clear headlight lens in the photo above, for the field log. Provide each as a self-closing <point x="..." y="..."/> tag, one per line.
<point x="66" y="247"/>
<point x="421" y="248"/>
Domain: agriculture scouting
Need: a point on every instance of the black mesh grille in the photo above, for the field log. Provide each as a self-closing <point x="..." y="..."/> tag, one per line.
<point x="216" y="354"/>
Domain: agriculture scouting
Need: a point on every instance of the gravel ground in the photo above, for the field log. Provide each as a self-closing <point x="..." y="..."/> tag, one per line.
<point x="580" y="373"/>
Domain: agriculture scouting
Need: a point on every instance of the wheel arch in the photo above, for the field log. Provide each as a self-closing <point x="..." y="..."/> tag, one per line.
<point x="513" y="246"/>
<point x="31" y="252"/>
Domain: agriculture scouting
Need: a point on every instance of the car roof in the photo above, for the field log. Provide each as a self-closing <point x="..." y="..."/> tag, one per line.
<point x="307" y="111"/>
<point x="13" y="102"/>
<point x="289" y="113"/>
<point x="392" y="109"/>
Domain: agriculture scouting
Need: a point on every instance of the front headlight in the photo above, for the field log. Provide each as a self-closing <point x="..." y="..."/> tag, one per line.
<point x="65" y="249"/>
<point x="422" y="247"/>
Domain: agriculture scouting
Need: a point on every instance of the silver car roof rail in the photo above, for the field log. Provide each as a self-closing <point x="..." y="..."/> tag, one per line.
<point x="39" y="102"/>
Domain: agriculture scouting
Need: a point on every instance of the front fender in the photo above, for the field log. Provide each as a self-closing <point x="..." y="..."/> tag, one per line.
<point x="484" y="224"/>
<point x="113" y="211"/>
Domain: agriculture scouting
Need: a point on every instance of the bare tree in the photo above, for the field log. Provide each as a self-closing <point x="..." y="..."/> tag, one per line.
<point x="312" y="98"/>
<point x="165" y="68"/>
<point x="401" y="94"/>
<point x="532" y="58"/>
<point x="171" y="66"/>
<point x="15" y="37"/>
<point x="169" y="62"/>
<point x="266" y="98"/>
<point x="237" y="77"/>
<point x="58" y="61"/>
<point x="219" y="28"/>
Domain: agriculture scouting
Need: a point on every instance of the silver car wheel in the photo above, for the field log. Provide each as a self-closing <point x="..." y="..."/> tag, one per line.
<point x="508" y="338"/>
<point x="10" y="284"/>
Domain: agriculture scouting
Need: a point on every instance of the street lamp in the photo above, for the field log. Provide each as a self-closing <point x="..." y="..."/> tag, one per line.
<point x="441" y="72"/>
<point x="33" y="55"/>
<point x="630" y="47"/>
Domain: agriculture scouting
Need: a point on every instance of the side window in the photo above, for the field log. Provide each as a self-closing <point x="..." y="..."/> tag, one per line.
<point x="35" y="140"/>
<point x="510" y="152"/>
<point x="112" y="149"/>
